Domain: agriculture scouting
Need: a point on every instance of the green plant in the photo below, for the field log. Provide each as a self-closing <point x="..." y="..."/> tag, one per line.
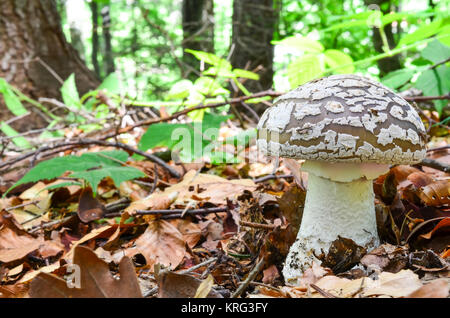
<point x="429" y="72"/>
<point x="90" y="167"/>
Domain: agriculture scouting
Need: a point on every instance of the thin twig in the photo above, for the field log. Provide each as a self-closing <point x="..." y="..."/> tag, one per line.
<point x="427" y="162"/>
<point x="258" y="225"/>
<point x="193" y="268"/>
<point x="173" y="213"/>
<point x="249" y="278"/>
<point x="323" y="292"/>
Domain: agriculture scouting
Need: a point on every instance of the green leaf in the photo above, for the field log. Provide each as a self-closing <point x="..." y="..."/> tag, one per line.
<point x="180" y="89"/>
<point x="188" y="139"/>
<point x="444" y="34"/>
<point x="80" y="166"/>
<point x="305" y="69"/>
<point x="117" y="174"/>
<point x="12" y="101"/>
<point x="436" y="52"/>
<point x="209" y="86"/>
<point x="397" y="78"/>
<point x="219" y="71"/>
<point x="242" y="139"/>
<point x="301" y="43"/>
<point x="335" y="58"/>
<point x="210" y="58"/>
<point x="421" y="33"/>
<point x="435" y="82"/>
<point x="111" y="83"/>
<point x="245" y="74"/>
<point x="19" y="141"/>
<point x="221" y="157"/>
<point x="69" y="92"/>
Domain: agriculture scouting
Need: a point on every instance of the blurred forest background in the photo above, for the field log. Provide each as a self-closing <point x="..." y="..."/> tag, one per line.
<point x="169" y="55"/>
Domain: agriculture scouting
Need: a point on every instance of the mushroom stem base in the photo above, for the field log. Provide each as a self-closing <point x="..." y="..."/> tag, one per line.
<point x="331" y="209"/>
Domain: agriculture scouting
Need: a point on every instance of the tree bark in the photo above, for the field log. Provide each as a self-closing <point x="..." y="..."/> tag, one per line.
<point x="387" y="64"/>
<point x="32" y="47"/>
<point x="254" y="22"/>
<point x="106" y="26"/>
<point x="198" y="31"/>
<point x="95" y="40"/>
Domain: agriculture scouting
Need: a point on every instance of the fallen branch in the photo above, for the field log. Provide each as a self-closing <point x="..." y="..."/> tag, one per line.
<point x="175" y="213"/>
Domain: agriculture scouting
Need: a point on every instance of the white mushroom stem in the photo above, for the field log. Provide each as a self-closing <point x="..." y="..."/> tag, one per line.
<point x="331" y="209"/>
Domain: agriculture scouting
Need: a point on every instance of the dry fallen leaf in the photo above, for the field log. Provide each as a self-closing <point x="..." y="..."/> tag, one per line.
<point x="205" y="287"/>
<point x="173" y="285"/>
<point x="215" y="188"/>
<point x="160" y="243"/>
<point x="89" y="208"/>
<point x="438" y="288"/>
<point x="95" y="280"/>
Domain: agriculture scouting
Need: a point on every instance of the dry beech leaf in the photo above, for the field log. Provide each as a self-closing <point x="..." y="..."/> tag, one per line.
<point x="438" y="288"/>
<point x="399" y="284"/>
<point x="205" y="287"/>
<point x="160" y="243"/>
<point x="313" y="274"/>
<point x="46" y="269"/>
<point x="191" y="232"/>
<point x="14" y="247"/>
<point x="173" y="285"/>
<point x="436" y="193"/>
<point x="89" y="208"/>
<point x="96" y="281"/>
<point x="215" y="188"/>
<point x="270" y="274"/>
<point x="155" y="201"/>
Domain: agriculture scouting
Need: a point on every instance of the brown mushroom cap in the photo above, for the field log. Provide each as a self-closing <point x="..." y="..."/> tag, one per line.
<point x="343" y="118"/>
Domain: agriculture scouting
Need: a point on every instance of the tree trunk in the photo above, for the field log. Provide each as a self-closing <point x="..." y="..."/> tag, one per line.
<point x="387" y="64"/>
<point x="106" y="29"/>
<point x="254" y="22"/>
<point x="32" y="47"/>
<point x="198" y="31"/>
<point x="95" y="40"/>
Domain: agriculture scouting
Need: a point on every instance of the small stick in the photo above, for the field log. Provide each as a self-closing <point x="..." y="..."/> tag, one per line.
<point x="258" y="225"/>
<point x="193" y="268"/>
<point x="172" y="212"/>
<point x="249" y="278"/>
<point x="427" y="162"/>
<point x="272" y="176"/>
<point x="322" y="292"/>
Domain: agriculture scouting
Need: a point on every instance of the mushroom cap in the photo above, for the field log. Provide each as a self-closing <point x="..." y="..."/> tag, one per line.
<point x="343" y="118"/>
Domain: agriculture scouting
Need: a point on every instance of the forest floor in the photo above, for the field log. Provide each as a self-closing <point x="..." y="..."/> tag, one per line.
<point x="218" y="231"/>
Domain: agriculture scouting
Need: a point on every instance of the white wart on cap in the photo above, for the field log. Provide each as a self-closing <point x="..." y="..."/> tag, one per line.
<point x="343" y="118"/>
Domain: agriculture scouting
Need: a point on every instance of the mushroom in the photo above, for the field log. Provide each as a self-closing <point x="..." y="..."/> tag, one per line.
<point x="349" y="130"/>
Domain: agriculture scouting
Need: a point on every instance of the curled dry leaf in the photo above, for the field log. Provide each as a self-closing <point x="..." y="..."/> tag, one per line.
<point x="94" y="280"/>
<point x="89" y="208"/>
<point x="436" y="193"/>
<point x="342" y="255"/>
<point x="161" y="243"/>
